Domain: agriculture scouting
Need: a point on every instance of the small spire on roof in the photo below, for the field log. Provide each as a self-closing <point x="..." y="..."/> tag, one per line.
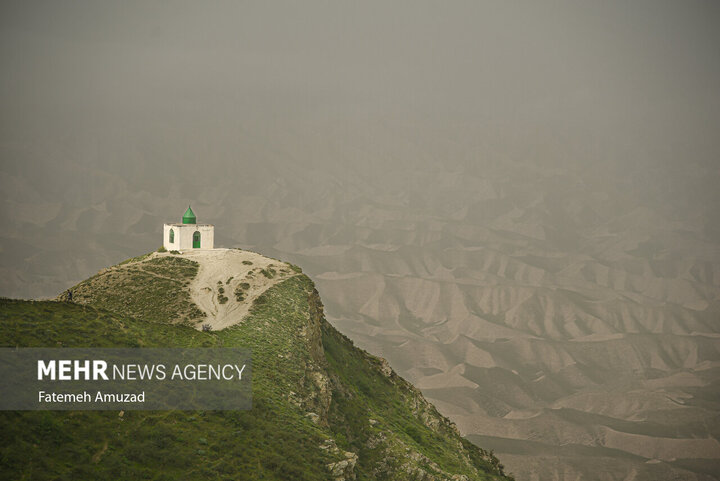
<point x="189" y="216"/>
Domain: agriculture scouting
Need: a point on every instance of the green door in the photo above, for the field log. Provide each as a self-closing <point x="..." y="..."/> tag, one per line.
<point x="196" y="240"/>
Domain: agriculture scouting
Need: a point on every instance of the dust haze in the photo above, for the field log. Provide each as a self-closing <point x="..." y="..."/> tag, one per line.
<point x="515" y="203"/>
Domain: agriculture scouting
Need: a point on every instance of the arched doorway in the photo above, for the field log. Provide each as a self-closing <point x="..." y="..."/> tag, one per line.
<point x="172" y="236"/>
<point x="196" y="240"/>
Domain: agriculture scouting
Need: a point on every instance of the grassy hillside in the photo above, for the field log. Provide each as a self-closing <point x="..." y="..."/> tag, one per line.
<point x="152" y="289"/>
<point x="322" y="409"/>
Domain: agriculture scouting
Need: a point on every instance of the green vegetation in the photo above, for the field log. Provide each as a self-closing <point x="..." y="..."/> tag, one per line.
<point x="385" y="400"/>
<point x="222" y="299"/>
<point x="162" y="249"/>
<point x="241" y="290"/>
<point x="152" y="289"/>
<point x="272" y="441"/>
<point x="315" y="396"/>
<point x="247" y="263"/>
<point x="269" y="272"/>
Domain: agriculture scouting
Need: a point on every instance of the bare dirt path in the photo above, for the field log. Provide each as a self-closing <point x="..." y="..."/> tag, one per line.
<point x="229" y="280"/>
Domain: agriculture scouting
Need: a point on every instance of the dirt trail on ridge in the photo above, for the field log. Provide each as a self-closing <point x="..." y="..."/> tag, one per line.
<point x="229" y="280"/>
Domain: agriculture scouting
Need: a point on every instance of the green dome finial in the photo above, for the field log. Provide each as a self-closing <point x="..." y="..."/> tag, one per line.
<point x="189" y="217"/>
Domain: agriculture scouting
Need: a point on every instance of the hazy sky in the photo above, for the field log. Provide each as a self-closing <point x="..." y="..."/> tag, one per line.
<point x="578" y="72"/>
<point x="142" y="90"/>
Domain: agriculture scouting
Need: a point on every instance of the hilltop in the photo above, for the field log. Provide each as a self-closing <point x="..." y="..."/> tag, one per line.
<point x="322" y="408"/>
<point x="215" y="287"/>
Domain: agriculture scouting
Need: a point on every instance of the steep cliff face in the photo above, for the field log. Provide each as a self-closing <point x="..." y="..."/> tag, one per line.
<point x="322" y="408"/>
<point x="338" y="370"/>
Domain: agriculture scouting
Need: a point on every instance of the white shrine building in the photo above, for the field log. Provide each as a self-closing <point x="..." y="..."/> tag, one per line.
<point x="188" y="234"/>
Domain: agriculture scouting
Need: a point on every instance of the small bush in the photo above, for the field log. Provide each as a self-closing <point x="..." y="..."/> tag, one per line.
<point x="162" y="249"/>
<point x="247" y="263"/>
<point x="269" y="272"/>
<point x="240" y="291"/>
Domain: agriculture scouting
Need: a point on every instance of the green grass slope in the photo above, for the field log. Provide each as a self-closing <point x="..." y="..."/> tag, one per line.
<point x="152" y="289"/>
<point x="322" y="409"/>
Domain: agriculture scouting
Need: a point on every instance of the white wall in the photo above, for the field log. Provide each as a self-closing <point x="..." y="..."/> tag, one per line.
<point x="184" y="234"/>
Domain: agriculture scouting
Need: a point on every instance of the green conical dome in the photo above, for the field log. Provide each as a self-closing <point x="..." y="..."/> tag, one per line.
<point x="189" y="217"/>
